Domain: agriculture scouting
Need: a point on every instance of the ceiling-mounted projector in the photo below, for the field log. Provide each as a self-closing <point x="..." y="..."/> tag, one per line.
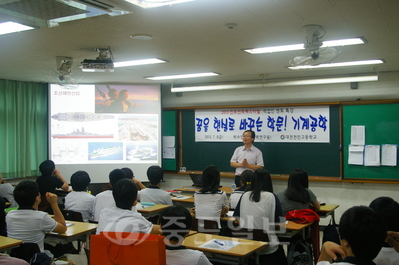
<point x="103" y="63"/>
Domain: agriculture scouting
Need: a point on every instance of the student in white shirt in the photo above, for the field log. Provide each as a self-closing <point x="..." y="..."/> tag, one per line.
<point x="175" y="224"/>
<point x="154" y="193"/>
<point x="27" y="223"/>
<point x="245" y="180"/>
<point x="78" y="200"/>
<point x="259" y="208"/>
<point x="123" y="217"/>
<point x="210" y="202"/>
<point x="105" y="199"/>
<point x="388" y="208"/>
<point x="362" y="233"/>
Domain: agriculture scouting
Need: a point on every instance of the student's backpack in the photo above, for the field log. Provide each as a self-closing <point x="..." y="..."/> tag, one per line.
<point x="330" y="232"/>
<point x="300" y="253"/>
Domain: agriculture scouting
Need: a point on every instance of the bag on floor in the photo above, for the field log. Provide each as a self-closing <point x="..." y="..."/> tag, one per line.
<point x="300" y="253"/>
<point x="330" y="232"/>
<point x="114" y="248"/>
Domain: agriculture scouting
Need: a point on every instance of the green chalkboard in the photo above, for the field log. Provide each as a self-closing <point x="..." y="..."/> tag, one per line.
<point x="169" y="129"/>
<point x="381" y="123"/>
<point x="318" y="159"/>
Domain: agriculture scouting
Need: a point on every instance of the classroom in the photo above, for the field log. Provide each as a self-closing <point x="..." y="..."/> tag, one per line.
<point x="211" y="36"/>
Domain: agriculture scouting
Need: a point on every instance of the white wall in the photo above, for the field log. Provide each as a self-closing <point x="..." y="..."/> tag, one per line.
<point x="344" y="194"/>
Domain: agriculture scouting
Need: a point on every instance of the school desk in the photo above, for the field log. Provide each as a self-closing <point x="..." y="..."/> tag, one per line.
<point x="76" y="231"/>
<point x="149" y="211"/>
<point x="8" y="243"/>
<point x="236" y="255"/>
<point x="192" y="189"/>
<point x="327" y="210"/>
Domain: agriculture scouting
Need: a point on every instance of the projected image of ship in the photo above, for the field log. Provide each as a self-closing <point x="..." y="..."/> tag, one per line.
<point x="137" y="152"/>
<point x="113" y="152"/>
<point x="76" y="134"/>
<point x="81" y="116"/>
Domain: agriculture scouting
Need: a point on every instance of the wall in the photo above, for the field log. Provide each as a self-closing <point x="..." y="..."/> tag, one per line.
<point x="344" y="194"/>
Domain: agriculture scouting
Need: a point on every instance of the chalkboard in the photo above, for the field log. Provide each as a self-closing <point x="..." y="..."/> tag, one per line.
<point x="318" y="159"/>
<point x="381" y="123"/>
<point x="169" y="129"/>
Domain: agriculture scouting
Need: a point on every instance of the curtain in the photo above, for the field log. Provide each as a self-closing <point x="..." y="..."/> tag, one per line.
<point x="23" y="127"/>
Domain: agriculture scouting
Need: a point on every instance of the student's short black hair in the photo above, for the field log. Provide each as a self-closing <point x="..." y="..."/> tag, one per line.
<point x="47" y="167"/>
<point x="175" y="223"/>
<point x="210" y="179"/>
<point x="116" y="175"/>
<point x="365" y="231"/>
<point x="129" y="173"/>
<point x="80" y="180"/>
<point x="389" y="210"/>
<point x="155" y="174"/>
<point x="125" y="193"/>
<point x="25" y="193"/>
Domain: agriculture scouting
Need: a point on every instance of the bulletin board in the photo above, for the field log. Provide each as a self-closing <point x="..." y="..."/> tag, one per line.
<point x="381" y="121"/>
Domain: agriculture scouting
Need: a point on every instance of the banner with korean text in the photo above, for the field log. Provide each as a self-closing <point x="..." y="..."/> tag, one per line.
<point x="300" y="124"/>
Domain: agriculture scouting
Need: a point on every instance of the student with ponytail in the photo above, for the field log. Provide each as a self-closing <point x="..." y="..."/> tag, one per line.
<point x="210" y="202"/>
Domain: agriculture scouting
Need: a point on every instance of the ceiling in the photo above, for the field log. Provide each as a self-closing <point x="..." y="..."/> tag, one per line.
<point x="193" y="37"/>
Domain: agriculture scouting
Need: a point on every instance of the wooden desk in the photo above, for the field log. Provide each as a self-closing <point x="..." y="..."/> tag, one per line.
<point x="151" y="210"/>
<point x="326" y="210"/>
<point x="77" y="231"/>
<point x="186" y="202"/>
<point x="191" y="189"/>
<point x="236" y="255"/>
<point x="7" y="243"/>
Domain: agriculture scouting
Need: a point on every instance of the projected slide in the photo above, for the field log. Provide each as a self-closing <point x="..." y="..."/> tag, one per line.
<point x="98" y="124"/>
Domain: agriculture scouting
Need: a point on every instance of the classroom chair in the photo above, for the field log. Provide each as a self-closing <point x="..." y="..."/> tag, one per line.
<point x="205" y="226"/>
<point x="25" y="251"/>
<point x="72" y="215"/>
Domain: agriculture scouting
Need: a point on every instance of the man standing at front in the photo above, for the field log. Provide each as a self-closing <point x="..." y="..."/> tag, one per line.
<point x="247" y="156"/>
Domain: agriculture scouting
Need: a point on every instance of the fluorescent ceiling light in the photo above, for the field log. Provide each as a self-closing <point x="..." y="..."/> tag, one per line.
<point x="10" y="27"/>
<point x="295" y="47"/>
<point x="155" y="3"/>
<point x="320" y="81"/>
<point x="341" y="64"/>
<point x="166" y="77"/>
<point x="139" y="62"/>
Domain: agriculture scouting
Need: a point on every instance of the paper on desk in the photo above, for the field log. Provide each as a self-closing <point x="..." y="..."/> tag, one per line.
<point x="220" y="244"/>
<point x="355" y="156"/>
<point x="69" y="224"/>
<point x="230" y="213"/>
<point x="372" y="155"/>
<point x="182" y="197"/>
<point x="389" y="155"/>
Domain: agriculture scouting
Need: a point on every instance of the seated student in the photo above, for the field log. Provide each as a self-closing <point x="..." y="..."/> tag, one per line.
<point x="50" y="179"/>
<point x="78" y="199"/>
<point x="105" y="199"/>
<point x="245" y="181"/>
<point x="258" y="207"/>
<point x="389" y="210"/>
<point x="27" y="223"/>
<point x="297" y="196"/>
<point x="362" y="233"/>
<point x="7" y="192"/>
<point x="123" y="216"/>
<point x="175" y="222"/>
<point x="210" y="202"/>
<point x="154" y="193"/>
<point x="130" y="175"/>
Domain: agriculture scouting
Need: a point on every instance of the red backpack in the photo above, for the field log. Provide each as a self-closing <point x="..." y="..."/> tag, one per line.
<point x="303" y="216"/>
